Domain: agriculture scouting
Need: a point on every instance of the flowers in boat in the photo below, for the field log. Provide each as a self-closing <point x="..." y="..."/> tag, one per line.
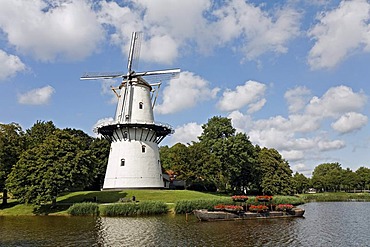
<point x="258" y="208"/>
<point x="228" y="207"/>
<point x="263" y="198"/>
<point x="242" y="198"/>
<point x="219" y="207"/>
<point x="284" y="207"/>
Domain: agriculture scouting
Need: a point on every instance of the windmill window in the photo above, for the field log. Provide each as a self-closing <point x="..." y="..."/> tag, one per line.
<point x="122" y="162"/>
<point x="143" y="148"/>
<point x="141" y="105"/>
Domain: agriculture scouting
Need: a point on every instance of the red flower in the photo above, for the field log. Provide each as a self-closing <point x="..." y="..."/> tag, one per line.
<point x="258" y="208"/>
<point x="283" y="207"/>
<point x="263" y="198"/>
<point x="240" y="198"/>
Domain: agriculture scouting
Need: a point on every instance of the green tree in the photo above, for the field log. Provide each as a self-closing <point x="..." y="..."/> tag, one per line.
<point x="216" y="138"/>
<point x="349" y="179"/>
<point x="38" y="133"/>
<point x="327" y="177"/>
<point x="11" y="147"/>
<point x="99" y="148"/>
<point x="204" y="172"/>
<point x="56" y="165"/>
<point x="363" y="174"/>
<point x="275" y="173"/>
<point x="241" y="162"/>
<point x="301" y="183"/>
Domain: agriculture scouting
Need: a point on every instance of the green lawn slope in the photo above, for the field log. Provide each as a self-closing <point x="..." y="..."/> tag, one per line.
<point x="104" y="197"/>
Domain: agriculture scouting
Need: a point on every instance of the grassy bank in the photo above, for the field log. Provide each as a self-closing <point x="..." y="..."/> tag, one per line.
<point x="105" y="197"/>
<point x="336" y="197"/>
<point x="184" y="200"/>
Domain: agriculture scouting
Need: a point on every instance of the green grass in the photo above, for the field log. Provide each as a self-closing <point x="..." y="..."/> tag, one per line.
<point x="335" y="197"/>
<point x="64" y="201"/>
<point x="171" y="198"/>
<point x="83" y="209"/>
<point x="134" y="209"/>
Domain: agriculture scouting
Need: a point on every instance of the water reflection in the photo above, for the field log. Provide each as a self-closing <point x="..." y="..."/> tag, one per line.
<point x="325" y="224"/>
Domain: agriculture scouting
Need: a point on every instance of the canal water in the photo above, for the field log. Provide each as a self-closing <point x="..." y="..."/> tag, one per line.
<point x="324" y="224"/>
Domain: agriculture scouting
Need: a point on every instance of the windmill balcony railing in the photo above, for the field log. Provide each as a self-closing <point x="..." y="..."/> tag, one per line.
<point x="113" y="122"/>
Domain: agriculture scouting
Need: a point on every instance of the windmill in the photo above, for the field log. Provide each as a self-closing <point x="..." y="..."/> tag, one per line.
<point x="134" y="156"/>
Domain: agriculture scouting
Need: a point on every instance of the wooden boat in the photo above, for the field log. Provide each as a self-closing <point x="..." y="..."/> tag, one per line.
<point x="206" y="215"/>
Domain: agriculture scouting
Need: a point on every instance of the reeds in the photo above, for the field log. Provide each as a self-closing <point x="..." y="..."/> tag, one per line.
<point x="187" y="206"/>
<point x="135" y="209"/>
<point x="84" y="208"/>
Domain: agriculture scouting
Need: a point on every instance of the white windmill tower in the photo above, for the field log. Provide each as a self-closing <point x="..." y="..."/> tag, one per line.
<point x="134" y="156"/>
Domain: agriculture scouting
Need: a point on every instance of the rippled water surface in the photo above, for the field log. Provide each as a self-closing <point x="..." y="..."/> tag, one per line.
<point x="324" y="224"/>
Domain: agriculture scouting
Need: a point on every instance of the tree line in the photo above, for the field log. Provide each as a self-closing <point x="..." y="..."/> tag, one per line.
<point x="223" y="160"/>
<point x="40" y="163"/>
<point x="44" y="161"/>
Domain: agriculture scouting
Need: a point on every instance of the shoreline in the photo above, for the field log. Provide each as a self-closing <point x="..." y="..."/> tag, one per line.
<point x="15" y="209"/>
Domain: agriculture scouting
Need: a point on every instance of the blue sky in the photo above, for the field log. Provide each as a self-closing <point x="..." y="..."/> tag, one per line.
<point x="294" y="75"/>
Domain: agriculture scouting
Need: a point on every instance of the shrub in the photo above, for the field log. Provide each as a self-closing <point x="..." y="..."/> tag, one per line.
<point x="287" y="200"/>
<point x="119" y="209"/>
<point x="187" y="206"/>
<point x="133" y="209"/>
<point x="151" y="207"/>
<point x="84" y="208"/>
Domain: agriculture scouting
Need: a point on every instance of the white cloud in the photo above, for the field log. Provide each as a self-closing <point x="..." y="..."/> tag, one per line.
<point x="302" y="168"/>
<point x="50" y="30"/>
<point x="305" y="136"/>
<point x="339" y="33"/>
<point x="325" y="145"/>
<point x="185" y="92"/>
<point x="181" y="25"/>
<point x="337" y="101"/>
<point x="251" y="93"/>
<point x="349" y="122"/>
<point x="262" y="32"/>
<point x="292" y="155"/>
<point x="10" y="65"/>
<point x="297" y="98"/>
<point x="101" y="121"/>
<point x="186" y="133"/>
<point x="240" y="121"/>
<point x="38" y="96"/>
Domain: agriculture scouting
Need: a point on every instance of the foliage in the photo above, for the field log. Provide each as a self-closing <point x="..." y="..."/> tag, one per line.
<point x="133" y="209"/>
<point x="188" y="206"/>
<point x="82" y="209"/>
<point x="363" y="174"/>
<point x="99" y="148"/>
<point x="11" y="146"/>
<point x="336" y="197"/>
<point x="275" y="173"/>
<point x="36" y="135"/>
<point x="58" y="164"/>
<point x="327" y="177"/>
<point x="119" y="209"/>
<point x="151" y="208"/>
<point x="294" y="200"/>
<point x="300" y="183"/>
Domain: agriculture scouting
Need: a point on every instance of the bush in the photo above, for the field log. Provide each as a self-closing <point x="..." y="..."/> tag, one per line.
<point x="84" y="208"/>
<point x="287" y="200"/>
<point x="151" y="207"/>
<point x="133" y="209"/>
<point x="187" y="206"/>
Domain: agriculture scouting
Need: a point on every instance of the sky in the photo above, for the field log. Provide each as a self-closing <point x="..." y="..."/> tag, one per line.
<point x="293" y="75"/>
